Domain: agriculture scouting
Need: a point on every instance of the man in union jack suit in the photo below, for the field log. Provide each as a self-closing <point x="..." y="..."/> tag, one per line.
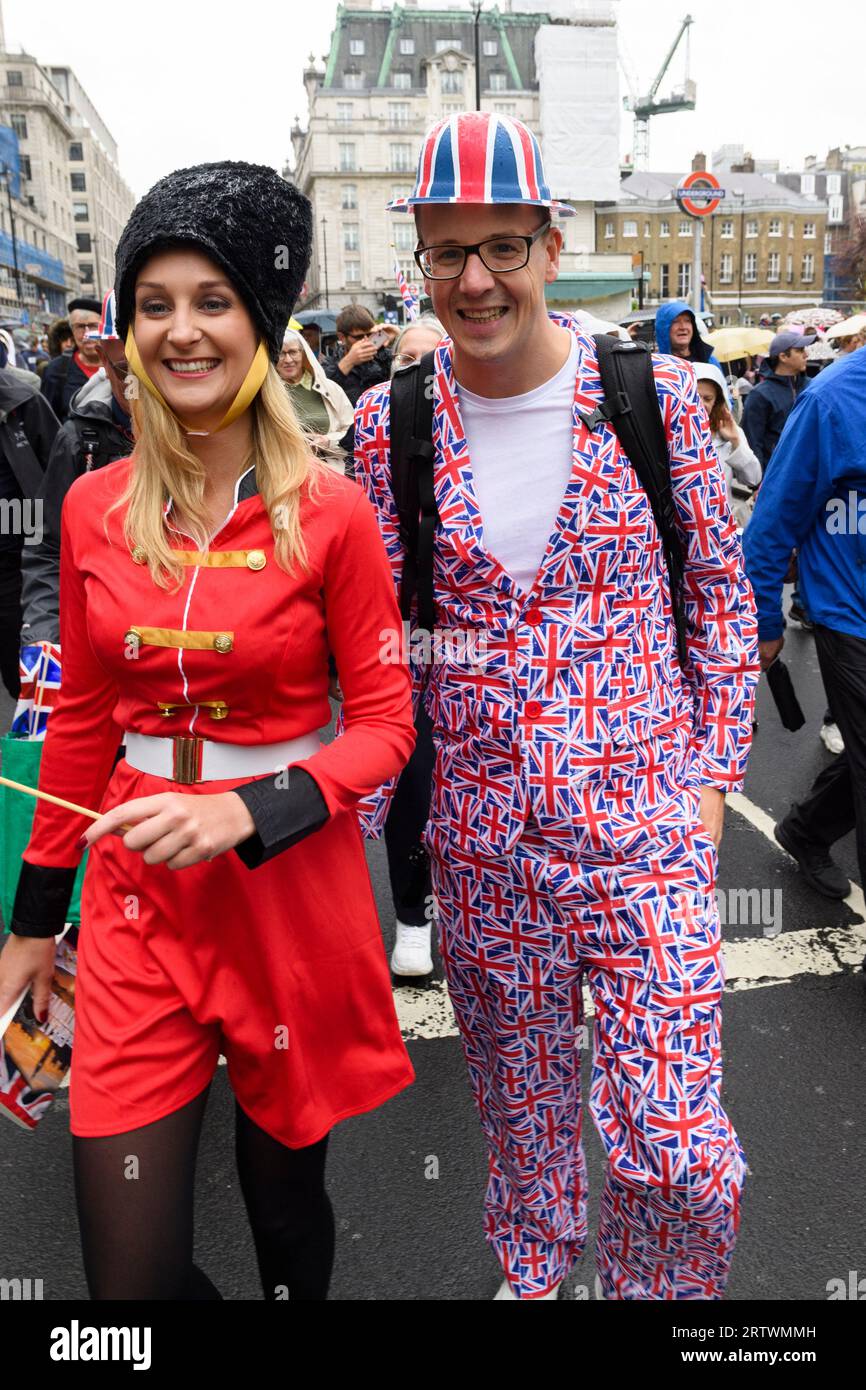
<point x="581" y="770"/>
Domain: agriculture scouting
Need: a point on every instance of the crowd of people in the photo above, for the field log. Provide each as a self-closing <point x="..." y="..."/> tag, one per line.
<point x="234" y="521"/>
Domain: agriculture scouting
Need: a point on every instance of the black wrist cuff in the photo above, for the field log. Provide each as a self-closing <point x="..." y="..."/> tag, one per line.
<point x="42" y="900"/>
<point x="285" y="809"/>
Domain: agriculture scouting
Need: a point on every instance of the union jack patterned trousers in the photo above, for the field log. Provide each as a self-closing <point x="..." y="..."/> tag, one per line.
<point x="518" y="937"/>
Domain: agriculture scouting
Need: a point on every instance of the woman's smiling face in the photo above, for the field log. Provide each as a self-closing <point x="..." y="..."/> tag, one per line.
<point x="194" y="334"/>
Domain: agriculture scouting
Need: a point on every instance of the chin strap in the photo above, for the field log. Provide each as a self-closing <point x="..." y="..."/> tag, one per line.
<point x="247" y="392"/>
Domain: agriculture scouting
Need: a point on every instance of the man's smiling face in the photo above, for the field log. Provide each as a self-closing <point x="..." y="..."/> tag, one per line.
<point x="490" y="317"/>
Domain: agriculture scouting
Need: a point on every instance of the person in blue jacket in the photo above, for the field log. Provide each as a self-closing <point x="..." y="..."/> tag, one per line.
<point x="814" y="498"/>
<point x="677" y="333"/>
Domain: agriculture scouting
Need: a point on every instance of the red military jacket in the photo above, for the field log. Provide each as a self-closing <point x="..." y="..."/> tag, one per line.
<point x="238" y="653"/>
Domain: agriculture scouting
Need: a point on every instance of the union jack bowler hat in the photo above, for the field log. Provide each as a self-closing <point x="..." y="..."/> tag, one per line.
<point x="106" y="331"/>
<point x="480" y="157"/>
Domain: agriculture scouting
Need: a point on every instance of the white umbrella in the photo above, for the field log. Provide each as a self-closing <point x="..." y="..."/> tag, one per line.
<point x="848" y="327"/>
<point x="813" y="318"/>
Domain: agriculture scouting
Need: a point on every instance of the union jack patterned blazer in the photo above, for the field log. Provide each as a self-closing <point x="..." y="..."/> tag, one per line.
<point x="569" y="687"/>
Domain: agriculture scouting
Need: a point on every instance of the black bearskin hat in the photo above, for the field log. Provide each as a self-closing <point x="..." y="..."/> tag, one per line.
<point x="251" y="222"/>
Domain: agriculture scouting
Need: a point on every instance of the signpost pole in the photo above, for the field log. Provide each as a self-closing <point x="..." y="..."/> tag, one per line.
<point x="696" y="263"/>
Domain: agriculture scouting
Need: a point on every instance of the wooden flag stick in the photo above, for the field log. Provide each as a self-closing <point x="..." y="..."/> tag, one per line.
<point x="55" y="800"/>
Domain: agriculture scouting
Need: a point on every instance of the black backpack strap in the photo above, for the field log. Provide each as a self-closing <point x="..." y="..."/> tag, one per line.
<point x="411" y="431"/>
<point x="631" y="405"/>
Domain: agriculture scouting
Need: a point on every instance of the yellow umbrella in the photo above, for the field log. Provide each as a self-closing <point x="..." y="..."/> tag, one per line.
<point x="737" y="341"/>
<point x="848" y="327"/>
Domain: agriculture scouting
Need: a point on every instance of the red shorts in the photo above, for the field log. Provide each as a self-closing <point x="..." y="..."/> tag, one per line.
<point x="281" y="968"/>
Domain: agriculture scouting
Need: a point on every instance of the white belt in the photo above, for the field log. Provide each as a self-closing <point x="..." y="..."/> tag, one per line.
<point x="190" y="759"/>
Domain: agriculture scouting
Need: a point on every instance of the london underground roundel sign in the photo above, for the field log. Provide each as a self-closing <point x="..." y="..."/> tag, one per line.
<point x="699" y="194"/>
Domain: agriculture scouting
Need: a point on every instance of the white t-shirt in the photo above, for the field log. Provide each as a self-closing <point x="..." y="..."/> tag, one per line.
<point x="520" y="451"/>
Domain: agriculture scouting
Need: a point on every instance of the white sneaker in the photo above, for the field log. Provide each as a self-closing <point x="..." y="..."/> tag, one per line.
<point x="411" y="953"/>
<point x="832" y="739"/>
<point x="506" y="1291"/>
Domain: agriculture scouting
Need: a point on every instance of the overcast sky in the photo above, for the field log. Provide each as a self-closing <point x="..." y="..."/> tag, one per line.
<point x="180" y="81"/>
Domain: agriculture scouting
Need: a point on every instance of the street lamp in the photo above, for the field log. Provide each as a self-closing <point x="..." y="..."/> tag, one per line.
<point x="325" y="256"/>
<point x="477" y="11"/>
<point x="6" y="174"/>
<point x="740" y="195"/>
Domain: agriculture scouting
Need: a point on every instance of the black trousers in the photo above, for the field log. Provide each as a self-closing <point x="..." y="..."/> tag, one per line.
<point x="10" y="620"/>
<point x="837" y="802"/>
<point x="408" y="864"/>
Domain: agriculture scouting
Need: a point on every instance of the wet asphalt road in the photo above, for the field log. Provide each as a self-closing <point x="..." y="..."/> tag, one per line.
<point x="794" y="1068"/>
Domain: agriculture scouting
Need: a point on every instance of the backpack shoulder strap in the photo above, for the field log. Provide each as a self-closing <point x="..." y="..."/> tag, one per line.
<point x="89" y="447"/>
<point x="631" y="405"/>
<point x="411" y="430"/>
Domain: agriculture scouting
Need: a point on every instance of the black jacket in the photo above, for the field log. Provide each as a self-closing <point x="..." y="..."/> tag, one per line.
<point x="766" y="410"/>
<point x="28" y="427"/>
<point x="91" y="438"/>
<point x="61" y="380"/>
<point x="362" y="377"/>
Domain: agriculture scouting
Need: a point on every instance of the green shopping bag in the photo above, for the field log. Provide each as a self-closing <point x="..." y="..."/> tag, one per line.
<point x="21" y="759"/>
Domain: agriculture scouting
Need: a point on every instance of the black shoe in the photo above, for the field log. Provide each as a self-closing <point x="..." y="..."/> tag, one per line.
<point x="798" y="614"/>
<point x="814" y="863"/>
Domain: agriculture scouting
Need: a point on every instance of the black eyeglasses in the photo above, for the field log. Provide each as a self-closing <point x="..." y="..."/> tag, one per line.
<point x="499" y="254"/>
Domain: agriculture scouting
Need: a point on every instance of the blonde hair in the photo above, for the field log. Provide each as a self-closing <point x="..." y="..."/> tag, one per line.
<point x="164" y="466"/>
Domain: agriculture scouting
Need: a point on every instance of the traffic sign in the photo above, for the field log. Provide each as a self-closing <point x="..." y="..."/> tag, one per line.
<point x="699" y="194"/>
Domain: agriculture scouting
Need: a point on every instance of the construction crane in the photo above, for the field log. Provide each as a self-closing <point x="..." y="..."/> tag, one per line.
<point x="681" y="99"/>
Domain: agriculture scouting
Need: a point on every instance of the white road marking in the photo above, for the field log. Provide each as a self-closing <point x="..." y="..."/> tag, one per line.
<point x="750" y="962"/>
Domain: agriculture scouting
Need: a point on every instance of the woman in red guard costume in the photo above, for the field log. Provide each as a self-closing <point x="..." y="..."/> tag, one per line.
<point x="203" y="583"/>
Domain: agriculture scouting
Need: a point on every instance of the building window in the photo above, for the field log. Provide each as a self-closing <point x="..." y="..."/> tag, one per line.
<point x="727" y="227"/>
<point x="828" y="243"/>
<point x="789" y="268"/>
<point x="356" y="47"/>
<point x="807" y="185"/>
<point x="401" y="158"/>
<point x="442" y="44"/>
<point x="19" y="125"/>
<point x="78" y="183"/>
<point x="629" y="227"/>
<point x="24" y="162"/>
<point x="82" y="241"/>
<point x="752" y="227"/>
<point x="349" y="198"/>
<point x="351" y="239"/>
<point x="398" y="190"/>
<point x="353" y="272"/>
<point x="505" y="108"/>
<point x="664" y="227"/>
<point x="452" y="108"/>
<point x="398" y="113"/>
<point x="809" y="229"/>
<point x="404" y="236"/>
<point x="452" y="82"/>
<point x="748" y="321"/>
<point x="664" y="281"/>
<point x="407" y="46"/>
<point x="646" y="228"/>
<point x="773" y="267"/>
<point x="344" y="112"/>
<point x="353" y="81"/>
<point x="834" y="205"/>
<point x="834" y="184"/>
<point x="14" y="79"/>
<point x="726" y="269"/>
<point x="750" y="270"/>
<point x="86" y="272"/>
<point x="725" y="320"/>
<point x="401" y="81"/>
<point x="80" y="212"/>
<point x="490" y="48"/>
<point x="685" y="227"/>
<point x="684" y="279"/>
<point x="608" y="229"/>
<point x="347" y="158"/>
<point x="790" y="231"/>
<point x="808" y="268"/>
<point x="498" y="82"/>
<point x="775" y="227"/>
<point x="76" y="151"/>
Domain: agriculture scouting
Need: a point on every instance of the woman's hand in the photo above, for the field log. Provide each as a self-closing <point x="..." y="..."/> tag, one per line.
<point x="728" y="427"/>
<point x="27" y="961"/>
<point x="176" y="828"/>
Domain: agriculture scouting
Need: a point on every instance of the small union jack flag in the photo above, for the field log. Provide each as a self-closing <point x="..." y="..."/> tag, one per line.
<point x="39" y="667"/>
<point x="411" y="297"/>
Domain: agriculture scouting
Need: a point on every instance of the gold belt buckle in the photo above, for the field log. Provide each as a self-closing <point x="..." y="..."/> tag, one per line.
<point x="186" y="759"/>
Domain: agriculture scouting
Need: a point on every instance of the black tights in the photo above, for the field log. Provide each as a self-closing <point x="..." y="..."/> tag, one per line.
<point x="135" y="1210"/>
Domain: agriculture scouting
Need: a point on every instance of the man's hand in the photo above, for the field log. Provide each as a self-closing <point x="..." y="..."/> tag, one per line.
<point x="768" y="651"/>
<point x="362" y="351"/>
<point x="177" y="828"/>
<point x="713" y="813"/>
